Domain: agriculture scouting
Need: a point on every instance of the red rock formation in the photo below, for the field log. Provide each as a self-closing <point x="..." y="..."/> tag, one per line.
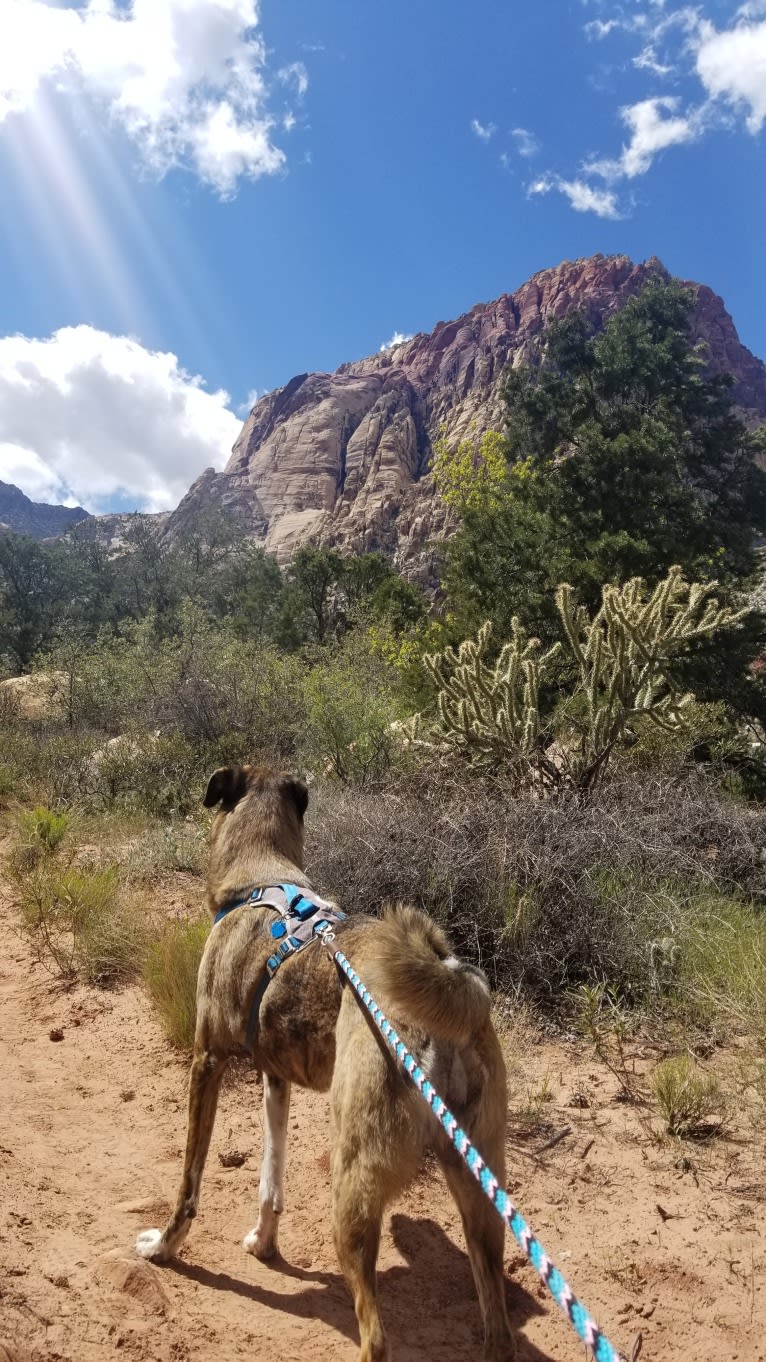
<point x="343" y="458"/>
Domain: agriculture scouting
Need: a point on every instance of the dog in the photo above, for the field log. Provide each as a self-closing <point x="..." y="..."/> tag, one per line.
<point x="311" y="1031"/>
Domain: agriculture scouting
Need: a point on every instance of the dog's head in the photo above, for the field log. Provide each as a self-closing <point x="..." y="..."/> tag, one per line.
<point x="260" y="813"/>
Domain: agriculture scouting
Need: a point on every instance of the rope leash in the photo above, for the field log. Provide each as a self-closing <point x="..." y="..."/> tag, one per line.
<point x="583" y="1324"/>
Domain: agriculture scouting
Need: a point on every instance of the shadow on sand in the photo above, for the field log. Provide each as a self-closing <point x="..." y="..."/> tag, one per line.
<point x="429" y="1306"/>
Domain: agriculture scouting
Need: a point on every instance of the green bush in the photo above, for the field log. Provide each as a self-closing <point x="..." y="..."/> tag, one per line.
<point x="348" y="712"/>
<point x="170" y="975"/>
<point x="690" y="1101"/>
<point x="150" y="772"/>
<point x="722" y="962"/>
<point x="80" y="921"/>
<point x="44" y="828"/>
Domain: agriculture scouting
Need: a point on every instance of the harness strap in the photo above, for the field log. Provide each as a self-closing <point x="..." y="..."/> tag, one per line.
<point x="302" y="920"/>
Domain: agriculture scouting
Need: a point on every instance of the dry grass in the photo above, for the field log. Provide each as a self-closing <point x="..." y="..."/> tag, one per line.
<point x="548" y="896"/>
<point x="691" y="1102"/>
<point x="170" y="976"/>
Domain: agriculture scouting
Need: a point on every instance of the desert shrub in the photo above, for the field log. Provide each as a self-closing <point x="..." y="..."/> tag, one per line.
<point x="167" y="848"/>
<point x="44" y="828"/>
<point x="201" y="682"/>
<point x="545" y="896"/>
<point x="722" y="962"/>
<point x="348" y="712"/>
<point x="62" y="766"/>
<point x="148" y="771"/>
<point x="170" y="975"/>
<point x="80" y="921"/>
<point x="8" y="785"/>
<point x="690" y="1101"/>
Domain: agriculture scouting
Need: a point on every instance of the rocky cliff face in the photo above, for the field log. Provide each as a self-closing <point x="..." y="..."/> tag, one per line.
<point x="343" y="458"/>
<point x="37" y="519"/>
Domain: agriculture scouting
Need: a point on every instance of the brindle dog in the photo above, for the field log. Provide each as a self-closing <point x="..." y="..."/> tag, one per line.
<point x="312" y="1032"/>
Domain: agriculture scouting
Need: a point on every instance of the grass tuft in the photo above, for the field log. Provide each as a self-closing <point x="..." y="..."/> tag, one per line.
<point x="170" y="975"/>
<point x="691" y="1102"/>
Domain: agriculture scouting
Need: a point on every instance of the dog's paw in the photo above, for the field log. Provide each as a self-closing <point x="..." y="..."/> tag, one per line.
<point x="260" y="1244"/>
<point x="149" y="1245"/>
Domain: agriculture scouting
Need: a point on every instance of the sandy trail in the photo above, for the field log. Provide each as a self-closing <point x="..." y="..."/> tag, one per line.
<point x="91" y="1130"/>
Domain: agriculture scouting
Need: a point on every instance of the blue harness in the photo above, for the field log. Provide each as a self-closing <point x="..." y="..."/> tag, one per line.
<point x="301" y="921"/>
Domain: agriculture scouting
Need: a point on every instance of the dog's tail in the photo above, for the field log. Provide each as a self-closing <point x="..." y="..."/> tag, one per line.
<point x="423" y="979"/>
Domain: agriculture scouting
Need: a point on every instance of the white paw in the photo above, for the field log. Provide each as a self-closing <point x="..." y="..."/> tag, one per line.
<point x="148" y="1245"/>
<point x="260" y="1244"/>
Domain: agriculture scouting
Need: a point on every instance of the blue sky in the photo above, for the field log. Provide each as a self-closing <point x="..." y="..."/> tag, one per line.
<point x="202" y="198"/>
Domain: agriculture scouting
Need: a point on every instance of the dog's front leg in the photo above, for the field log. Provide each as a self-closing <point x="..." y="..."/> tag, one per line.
<point x="262" y="1241"/>
<point x="204" y="1085"/>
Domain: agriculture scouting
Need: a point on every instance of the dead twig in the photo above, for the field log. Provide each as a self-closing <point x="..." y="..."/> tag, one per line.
<point x="554" y="1140"/>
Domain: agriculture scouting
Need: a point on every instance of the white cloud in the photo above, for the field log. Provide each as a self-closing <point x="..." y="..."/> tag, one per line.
<point x="526" y="142"/>
<point x="583" y="197"/>
<point x="484" y="131"/>
<point x="185" y="79"/>
<point x="296" y="75"/>
<point x="654" y="125"/>
<point x="88" y="416"/>
<point x="597" y="29"/>
<point x="732" y="65"/>
<point x="398" y="338"/>
<point x="649" y="61"/>
<point x="244" y="408"/>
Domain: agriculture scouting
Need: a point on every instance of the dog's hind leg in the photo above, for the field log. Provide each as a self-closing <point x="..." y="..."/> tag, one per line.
<point x="485" y="1239"/>
<point x="484" y="1230"/>
<point x="204" y="1085"/>
<point x="262" y="1241"/>
<point x="357" y="1216"/>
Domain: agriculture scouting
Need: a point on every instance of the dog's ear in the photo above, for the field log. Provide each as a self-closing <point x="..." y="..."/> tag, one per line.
<point x="226" y="786"/>
<point x="298" y="792"/>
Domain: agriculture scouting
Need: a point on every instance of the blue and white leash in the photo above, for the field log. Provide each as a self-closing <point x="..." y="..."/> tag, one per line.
<point x="583" y="1323"/>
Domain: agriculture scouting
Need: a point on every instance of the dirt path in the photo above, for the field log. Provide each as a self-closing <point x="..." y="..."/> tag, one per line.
<point x="90" y="1145"/>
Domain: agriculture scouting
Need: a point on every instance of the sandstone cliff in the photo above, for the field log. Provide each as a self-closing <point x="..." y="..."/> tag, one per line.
<point x="343" y="458"/>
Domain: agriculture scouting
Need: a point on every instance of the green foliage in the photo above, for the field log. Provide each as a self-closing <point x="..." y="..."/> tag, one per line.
<point x="689" y="1099"/>
<point x="624" y="460"/>
<point x="80" y="921"/>
<point x="620" y="669"/>
<point x="722" y="962"/>
<point x="44" y="829"/>
<point x="472" y="475"/>
<point x="348" y="715"/>
<point x="314" y="574"/>
<point x="170" y="976"/>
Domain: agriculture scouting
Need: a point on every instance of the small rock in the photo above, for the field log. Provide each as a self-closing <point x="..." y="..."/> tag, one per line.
<point x="128" y="1094"/>
<point x="233" y="1158"/>
<point x="56" y="1033"/>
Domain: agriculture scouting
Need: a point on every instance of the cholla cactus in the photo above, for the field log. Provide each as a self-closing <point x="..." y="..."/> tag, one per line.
<point x="622" y="656"/>
<point x="492" y="712"/>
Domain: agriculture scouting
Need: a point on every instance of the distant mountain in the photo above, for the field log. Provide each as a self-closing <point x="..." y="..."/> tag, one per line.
<point x="36" y="518"/>
<point x="343" y="458"/>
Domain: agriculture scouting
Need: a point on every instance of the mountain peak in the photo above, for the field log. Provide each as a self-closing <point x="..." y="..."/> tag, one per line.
<point x="343" y="458"/>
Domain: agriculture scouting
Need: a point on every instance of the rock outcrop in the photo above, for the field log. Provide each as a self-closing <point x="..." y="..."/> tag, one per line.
<point x="343" y="458"/>
<point x="37" y="519"/>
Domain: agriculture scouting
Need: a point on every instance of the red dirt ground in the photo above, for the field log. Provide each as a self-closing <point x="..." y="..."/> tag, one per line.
<point x="659" y="1238"/>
